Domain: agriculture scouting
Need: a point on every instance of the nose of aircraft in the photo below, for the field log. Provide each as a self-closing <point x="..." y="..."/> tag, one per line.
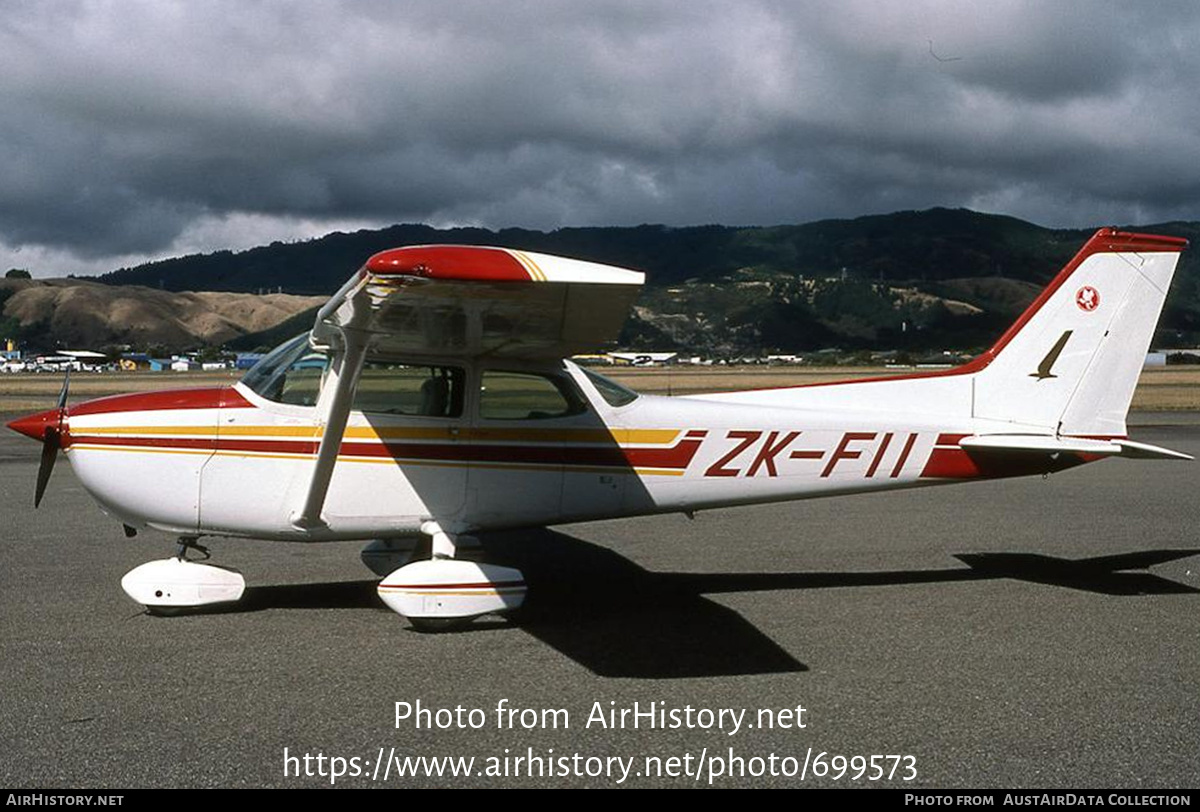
<point x="34" y="425"/>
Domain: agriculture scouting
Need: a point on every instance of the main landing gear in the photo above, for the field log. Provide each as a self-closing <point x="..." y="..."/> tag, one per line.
<point x="445" y="592"/>
<point x="175" y="584"/>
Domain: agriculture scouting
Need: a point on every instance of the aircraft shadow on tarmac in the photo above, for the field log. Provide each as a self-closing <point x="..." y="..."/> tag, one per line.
<point x="620" y="620"/>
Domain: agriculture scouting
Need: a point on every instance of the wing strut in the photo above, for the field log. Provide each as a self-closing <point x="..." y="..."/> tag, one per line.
<point x="346" y="367"/>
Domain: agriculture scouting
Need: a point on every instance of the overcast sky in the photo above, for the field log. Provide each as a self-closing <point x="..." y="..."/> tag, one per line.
<point x="135" y="130"/>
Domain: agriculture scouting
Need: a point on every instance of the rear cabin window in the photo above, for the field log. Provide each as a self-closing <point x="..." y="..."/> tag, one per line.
<point x="526" y="396"/>
<point x="614" y="394"/>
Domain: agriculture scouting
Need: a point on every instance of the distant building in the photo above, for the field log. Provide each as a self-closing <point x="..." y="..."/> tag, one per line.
<point x="1176" y="356"/>
<point x="245" y="360"/>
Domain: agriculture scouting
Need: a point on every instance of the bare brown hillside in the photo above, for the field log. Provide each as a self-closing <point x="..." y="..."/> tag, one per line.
<point x="86" y="314"/>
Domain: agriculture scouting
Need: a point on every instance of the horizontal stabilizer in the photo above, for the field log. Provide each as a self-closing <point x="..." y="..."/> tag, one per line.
<point x="1145" y="451"/>
<point x="1049" y="444"/>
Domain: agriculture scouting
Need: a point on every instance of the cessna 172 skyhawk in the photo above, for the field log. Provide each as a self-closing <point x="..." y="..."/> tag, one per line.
<point x="430" y="399"/>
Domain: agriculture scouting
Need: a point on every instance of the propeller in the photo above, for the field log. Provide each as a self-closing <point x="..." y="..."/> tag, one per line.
<point x="51" y="443"/>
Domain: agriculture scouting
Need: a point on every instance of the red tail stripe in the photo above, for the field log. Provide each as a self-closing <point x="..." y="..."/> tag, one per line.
<point x="1104" y="241"/>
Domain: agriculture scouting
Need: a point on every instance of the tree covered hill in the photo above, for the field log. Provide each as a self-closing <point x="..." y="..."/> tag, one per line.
<point x="924" y="279"/>
<point x="933" y="244"/>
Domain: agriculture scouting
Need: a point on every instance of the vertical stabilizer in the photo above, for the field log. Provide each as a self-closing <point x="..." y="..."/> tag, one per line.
<point x="1071" y="362"/>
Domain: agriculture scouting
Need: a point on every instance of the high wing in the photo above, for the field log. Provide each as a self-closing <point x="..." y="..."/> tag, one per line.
<point x="452" y="300"/>
<point x="471" y="301"/>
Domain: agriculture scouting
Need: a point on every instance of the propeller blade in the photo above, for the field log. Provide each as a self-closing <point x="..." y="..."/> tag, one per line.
<point x="50" y="445"/>
<point x="51" y="442"/>
<point x="62" y="394"/>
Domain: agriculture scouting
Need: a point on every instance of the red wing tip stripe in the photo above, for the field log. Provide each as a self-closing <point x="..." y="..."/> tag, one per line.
<point x="951" y="440"/>
<point x="471" y="263"/>
<point x="695" y="435"/>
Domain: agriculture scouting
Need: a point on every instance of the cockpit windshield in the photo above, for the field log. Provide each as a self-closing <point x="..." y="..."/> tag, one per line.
<point x="291" y="373"/>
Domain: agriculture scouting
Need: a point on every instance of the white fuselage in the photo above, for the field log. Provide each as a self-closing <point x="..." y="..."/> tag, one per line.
<point x="230" y="462"/>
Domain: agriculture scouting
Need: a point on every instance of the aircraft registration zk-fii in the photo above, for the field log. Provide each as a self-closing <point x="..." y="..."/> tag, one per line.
<point x="431" y="399"/>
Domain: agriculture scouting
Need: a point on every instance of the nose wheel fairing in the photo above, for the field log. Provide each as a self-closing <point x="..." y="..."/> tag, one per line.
<point x="174" y="584"/>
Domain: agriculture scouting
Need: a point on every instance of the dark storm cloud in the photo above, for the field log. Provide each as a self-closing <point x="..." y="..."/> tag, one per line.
<point x="131" y="129"/>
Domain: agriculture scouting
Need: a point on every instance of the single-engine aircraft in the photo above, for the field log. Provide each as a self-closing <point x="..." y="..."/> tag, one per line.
<point x="430" y="401"/>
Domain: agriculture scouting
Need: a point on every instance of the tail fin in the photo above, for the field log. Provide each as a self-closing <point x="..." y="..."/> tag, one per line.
<point x="1071" y="362"/>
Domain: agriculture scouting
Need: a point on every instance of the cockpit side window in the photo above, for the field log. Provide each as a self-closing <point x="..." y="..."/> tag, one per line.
<point x="419" y="390"/>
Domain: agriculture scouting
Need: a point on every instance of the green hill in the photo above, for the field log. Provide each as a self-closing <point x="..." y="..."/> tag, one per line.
<point x="738" y="289"/>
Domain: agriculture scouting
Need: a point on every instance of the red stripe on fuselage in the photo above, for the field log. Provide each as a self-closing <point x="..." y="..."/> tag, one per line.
<point x="957" y="463"/>
<point x="950" y="463"/>
<point x="676" y="458"/>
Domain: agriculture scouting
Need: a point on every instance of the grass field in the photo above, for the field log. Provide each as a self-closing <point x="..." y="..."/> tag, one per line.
<point x="1160" y="389"/>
